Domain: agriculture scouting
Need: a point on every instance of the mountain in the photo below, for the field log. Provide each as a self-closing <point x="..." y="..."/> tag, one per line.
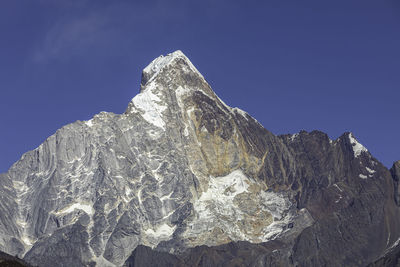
<point x="182" y="179"/>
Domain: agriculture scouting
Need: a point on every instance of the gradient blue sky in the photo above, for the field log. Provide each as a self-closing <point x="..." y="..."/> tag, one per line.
<point x="327" y="65"/>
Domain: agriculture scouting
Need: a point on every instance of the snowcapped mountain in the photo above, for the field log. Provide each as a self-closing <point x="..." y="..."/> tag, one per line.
<point x="180" y="176"/>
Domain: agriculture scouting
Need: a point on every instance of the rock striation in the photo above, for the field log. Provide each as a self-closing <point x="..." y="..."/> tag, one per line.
<point x="183" y="177"/>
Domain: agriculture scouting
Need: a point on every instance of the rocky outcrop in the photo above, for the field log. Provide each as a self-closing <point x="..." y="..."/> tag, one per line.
<point x="183" y="177"/>
<point x="395" y="171"/>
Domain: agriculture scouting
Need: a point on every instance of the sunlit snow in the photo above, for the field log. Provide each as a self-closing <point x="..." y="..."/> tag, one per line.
<point x="357" y="147"/>
<point x="370" y="170"/>
<point x="89" y="123"/>
<point x="150" y="104"/>
<point x="76" y="206"/>
<point x="163" y="230"/>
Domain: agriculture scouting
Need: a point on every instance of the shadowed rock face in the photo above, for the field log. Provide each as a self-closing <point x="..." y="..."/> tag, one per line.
<point x="183" y="177"/>
<point x="232" y="254"/>
<point x="10" y="261"/>
<point x="395" y="171"/>
<point x="350" y="196"/>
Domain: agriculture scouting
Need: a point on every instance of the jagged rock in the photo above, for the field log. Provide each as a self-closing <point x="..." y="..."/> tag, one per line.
<point x="179" y="171"/>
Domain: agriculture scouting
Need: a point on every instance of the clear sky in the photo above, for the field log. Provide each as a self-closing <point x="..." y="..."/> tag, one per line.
<point x="327" y="65"/>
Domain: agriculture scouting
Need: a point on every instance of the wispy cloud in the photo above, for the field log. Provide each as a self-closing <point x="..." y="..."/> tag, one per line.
<point x="71" y="37"/>
<point x="102" y="26"/>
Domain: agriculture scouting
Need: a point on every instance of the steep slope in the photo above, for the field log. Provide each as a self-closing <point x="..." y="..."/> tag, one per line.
<point x="180" y="169"/>
<point x="395" y="171"/>
<point x="350" y="196"/>
<point x="391" y="256"/>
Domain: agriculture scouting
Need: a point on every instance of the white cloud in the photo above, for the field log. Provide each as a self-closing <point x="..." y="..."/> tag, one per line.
<point x="84" y="29"/>
<point x="100" y="27"/>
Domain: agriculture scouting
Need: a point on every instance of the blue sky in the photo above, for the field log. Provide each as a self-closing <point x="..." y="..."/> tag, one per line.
<point x="327" y="65"/>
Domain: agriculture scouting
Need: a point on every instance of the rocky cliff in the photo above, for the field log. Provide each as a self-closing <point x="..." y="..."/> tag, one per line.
<point x="183" y="177"/>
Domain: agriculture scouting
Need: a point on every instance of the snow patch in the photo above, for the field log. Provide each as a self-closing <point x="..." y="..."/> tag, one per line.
<point x="21" y="223"/>
<point x="217" y="202"/>
<point x="186" y="131"/>
<point x="162" y="231"/>
<point x="393" y="245"/>
<point x="340" y="197"/>
<point x="21" y="189"/>
<point x="20" y="186"/>
<point x="76" y="206"/>
<point x="220" y="194"/>
<point x="274" y="229"/>
<point x="217" y="189"/>
<point x="166" y="196"/>
<point x="180" y="92"/>
<point x="150" y="105"/>
<point x="357" y="147"/>
<point x="293" y="136"/>
<point x="275" y="204"/>
<point x="159" y="63"/>
<point x="370" y="170"/>
<point x="340" y="189"/>
<point x="89" y="123"/>
<point x="217" y="207"/>
<point x="29" y="242"/>
<point x="362" y="176"/>
<point x="127" y="197"/>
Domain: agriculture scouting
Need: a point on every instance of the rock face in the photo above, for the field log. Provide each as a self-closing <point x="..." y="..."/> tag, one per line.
<point x="183" y="177"/>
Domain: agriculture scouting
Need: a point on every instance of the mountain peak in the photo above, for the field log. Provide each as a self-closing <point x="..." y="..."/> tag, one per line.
<point x="161" y="62"/>
<point x="164" y="82"/>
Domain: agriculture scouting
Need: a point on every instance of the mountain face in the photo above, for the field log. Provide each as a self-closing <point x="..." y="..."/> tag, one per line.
<point x="182" y="179"/>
